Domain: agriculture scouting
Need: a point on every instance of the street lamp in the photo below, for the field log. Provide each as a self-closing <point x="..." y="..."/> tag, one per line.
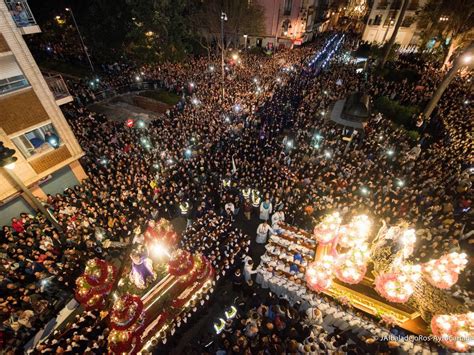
<point x="223" y="18"/>
<point x="80" y="36"/>
<point x="7" y="161"/>
<point x="245" y="38"/>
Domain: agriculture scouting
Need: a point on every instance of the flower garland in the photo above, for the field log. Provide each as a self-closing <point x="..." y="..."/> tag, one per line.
<point x="444" y="272"/>
<point x="95" y="283"/>
<point x="455" y="331"/>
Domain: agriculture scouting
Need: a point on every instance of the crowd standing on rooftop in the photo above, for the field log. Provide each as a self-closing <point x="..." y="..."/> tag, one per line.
<point x="136" y="174"/>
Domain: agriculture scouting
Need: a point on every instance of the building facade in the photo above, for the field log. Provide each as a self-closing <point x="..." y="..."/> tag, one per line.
<point x="383" y="15"/>
<point x="287" y="23"/>
<point x="31" y="121"/>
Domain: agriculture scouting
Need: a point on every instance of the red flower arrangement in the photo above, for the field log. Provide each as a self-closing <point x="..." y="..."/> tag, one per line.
<point x="455" y="331"/>
<point x="95" y="283"/>
<point x="127" y="321"/>
<point x="181" y="263"/>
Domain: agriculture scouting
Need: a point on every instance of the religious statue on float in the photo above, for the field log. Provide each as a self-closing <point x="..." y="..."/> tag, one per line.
<point x="142" y="270"/>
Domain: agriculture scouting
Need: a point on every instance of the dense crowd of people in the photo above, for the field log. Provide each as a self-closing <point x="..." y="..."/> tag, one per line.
<point x="269" y="133"/>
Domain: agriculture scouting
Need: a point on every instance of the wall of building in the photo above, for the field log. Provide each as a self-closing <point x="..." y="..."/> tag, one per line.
<point x="300" y="16"/>
<point x="60" y="181"/>
<point x="12" y="209"/>
<point x="381" y="9"/>
<point x="28" y="108"/>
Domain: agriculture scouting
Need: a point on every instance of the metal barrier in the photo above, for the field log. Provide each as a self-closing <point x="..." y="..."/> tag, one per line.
<point x="21" y="13"/>
<point x="58" y="86"/>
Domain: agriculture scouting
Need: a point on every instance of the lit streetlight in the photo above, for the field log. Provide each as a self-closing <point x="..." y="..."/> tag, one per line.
<point x="223" y="19"/>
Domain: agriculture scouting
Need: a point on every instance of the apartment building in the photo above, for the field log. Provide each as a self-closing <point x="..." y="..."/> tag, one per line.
<point x="31" y="121"/>
<point x="287" y="23"/>
<point x="383" y="15"/>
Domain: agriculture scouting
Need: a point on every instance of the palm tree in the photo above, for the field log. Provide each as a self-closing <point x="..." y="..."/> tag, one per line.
<point x="390" y="43"/>
<point x="450" y="22"/>
<point x="462" y="60"/>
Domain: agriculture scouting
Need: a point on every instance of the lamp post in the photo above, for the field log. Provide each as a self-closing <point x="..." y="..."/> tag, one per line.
<point x="7" y="162"/>
<point x="464" y="59"/>
<point x="223" y="18"/>
<point x="68" y="9"/>
<point x="245" y="38"/>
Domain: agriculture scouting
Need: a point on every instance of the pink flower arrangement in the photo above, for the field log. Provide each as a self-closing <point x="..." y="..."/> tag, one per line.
<point x="455" y="331"/>
<point x="444" y="272"/>
<point x="394" y="287"/>
<point x="319" y="275"/>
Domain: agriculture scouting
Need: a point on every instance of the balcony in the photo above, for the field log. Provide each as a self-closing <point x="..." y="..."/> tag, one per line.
<point x="59" y="89"/>
<point x="23" y="17"/>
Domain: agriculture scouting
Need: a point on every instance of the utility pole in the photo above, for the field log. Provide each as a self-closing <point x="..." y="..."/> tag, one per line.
<point x="68" y="9"/>
<point x="223" y="18"/>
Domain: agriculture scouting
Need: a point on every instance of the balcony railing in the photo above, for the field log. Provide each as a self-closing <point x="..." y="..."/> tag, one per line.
<point x="21" y="13"/>
<point x="58" y="87"/>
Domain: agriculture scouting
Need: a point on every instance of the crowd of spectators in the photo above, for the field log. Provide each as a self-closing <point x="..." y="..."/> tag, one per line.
<point x="140" y="173"/>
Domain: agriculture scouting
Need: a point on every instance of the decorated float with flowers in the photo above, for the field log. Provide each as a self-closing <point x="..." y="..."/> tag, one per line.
<point x="375" y="271"/>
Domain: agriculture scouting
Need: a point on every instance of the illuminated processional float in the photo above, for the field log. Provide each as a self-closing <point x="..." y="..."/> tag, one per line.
<point x="164" y="284"/>
<point x="377" y="275"/>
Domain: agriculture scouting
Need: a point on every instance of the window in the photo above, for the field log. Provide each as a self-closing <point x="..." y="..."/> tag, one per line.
<point x="390" y="19"/>
<point x="414" y="5"/>
<point x="377" y="20"/>
<point x="408" y="21"/>
<point x="11" y="76"/>
<point x="37" y="141"/>
<point x="382" y="5"/>
<point x="287" y="7"/>
<point x="396" y="5"/>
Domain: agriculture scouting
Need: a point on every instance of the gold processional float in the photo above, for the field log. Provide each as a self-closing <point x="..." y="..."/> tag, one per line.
<point x="377" y="276"/>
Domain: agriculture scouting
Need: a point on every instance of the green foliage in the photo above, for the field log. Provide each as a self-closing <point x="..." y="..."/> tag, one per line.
<point x="164" y="96"/>
<point x="402" y="115"/>
<point x="456" y="27"/>
<point x="399" y="75"/>
<point x="160" y="30"/>
<point x="414" y="135"/>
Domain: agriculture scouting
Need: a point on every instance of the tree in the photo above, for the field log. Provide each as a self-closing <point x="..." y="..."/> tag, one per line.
<point x="244" y="17"/>
<point x="161" y="30"/>
<point x="449" y="22"/>
<point x="464" y="59"/>
<point x="389" y="44"/>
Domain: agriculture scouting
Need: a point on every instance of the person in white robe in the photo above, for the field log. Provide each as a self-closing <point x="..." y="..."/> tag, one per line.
<point x="262" y="232"/>
<point x="248" y="270"/>
<point x="278" y="216"/>
<point x="265" y="210"/>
